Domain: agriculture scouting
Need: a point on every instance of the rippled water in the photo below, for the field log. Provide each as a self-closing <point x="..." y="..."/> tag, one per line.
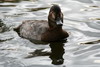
<point x="81" y="20"/>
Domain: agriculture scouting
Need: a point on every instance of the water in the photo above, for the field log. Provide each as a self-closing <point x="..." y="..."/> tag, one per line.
<point x="81" y="21"/>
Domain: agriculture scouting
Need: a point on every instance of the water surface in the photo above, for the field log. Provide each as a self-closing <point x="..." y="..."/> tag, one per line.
<point x="81" y="21"/>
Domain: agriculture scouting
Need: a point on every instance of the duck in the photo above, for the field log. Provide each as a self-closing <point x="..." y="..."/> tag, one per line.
<point x="43" y="30"/>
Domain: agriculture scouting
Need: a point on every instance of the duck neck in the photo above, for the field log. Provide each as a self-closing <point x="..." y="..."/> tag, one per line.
<point x="55" y="28"/>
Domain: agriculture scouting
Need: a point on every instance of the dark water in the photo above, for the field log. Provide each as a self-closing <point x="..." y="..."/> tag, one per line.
<point x="81" y="20"/>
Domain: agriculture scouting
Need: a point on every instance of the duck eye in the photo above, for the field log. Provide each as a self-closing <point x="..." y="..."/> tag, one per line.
<point x="53" y="15"/>
<point x="61" y="14"/>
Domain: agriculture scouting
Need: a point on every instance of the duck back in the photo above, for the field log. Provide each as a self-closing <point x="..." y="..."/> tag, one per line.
<point x="33" y="29"/>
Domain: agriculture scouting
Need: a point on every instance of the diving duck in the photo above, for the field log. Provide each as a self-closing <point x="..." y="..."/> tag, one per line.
<point x="42" y="30"/>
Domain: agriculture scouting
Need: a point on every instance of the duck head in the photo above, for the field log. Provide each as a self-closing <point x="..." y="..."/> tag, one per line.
<point x="55" y="17"/>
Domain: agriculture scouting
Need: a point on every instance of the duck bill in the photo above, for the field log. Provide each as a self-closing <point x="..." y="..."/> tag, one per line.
<point x="59" y="23"/>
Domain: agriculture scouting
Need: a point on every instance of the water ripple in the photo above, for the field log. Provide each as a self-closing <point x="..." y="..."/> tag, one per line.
<point x="81" y="21"/>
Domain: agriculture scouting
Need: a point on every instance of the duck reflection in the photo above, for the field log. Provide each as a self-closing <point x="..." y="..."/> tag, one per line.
<point x="57" y="51"/>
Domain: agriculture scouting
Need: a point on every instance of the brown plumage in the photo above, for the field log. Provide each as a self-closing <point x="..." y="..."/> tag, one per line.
<point x="43" y="30"/>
